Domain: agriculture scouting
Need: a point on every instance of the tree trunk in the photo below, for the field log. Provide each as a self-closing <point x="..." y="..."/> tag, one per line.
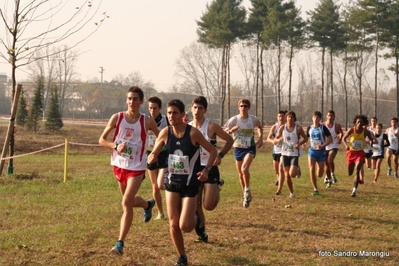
<point x="332" y="79"/>
<point x="222" y="86"/>
<point x="257" y="77"/>
<point x="262" y="84"/>
<point x="376" y="74"/>
<point x="228" y="80"/>
<point x="322" y="79"/>
<point x="290" y="77"/>
<point x="278" y="77"/>
<point x="345" y="89"/>
<point x="10" y="131"/>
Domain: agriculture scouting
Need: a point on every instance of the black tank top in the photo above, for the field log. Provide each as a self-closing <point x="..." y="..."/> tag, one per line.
<point x="183" y="147"/>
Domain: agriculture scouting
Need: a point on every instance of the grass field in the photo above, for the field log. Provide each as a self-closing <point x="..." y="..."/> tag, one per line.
<point x="44" y="221"/>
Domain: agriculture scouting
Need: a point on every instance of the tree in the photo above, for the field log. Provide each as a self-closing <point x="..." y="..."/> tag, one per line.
<point x="275" y="33"/>
<point x="198" y="66"/>
<point x="392" y="42"/>
<point x="36" y="109"/>
<point x="54" y="120"/>
<point x="374" y="13"/>
<point x="255" y="27"/>
<point x="220" y="27"/>
<point x="21" y="40"/>
<point x="295" y="39"/>
<point x="22" y="111"/>
<point x="324" y="29"/>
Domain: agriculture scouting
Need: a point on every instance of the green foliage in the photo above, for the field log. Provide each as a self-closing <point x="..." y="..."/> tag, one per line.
<point x="22" y="112"/>
<point x="324" y="26"/>
<point x="36" y="110"/>
<point x="54" y="120"/>
<point x="222" y="24"/>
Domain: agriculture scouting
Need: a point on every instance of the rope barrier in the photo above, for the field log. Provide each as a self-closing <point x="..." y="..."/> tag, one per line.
<point x="49" y="148"/>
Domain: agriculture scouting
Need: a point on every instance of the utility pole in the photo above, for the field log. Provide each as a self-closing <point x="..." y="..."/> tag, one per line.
<point x="102" y="73"/>
<point x="101" y="94"/>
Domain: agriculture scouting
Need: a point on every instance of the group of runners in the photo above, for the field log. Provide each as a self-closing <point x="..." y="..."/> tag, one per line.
<point x="181" y="158"/>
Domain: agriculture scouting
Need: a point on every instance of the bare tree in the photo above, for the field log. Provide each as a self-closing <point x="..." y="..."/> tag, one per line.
<point x="32" y="26"/>
<point x="198" y="67"/>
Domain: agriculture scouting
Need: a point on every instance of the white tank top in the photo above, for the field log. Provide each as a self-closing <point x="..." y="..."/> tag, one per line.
<point x="393" y="140"/>
<point x="151" y="138"/>
<point x="244" y="136"/>
<point x="204" y="154"/>
<point x="135" y="136"/>
<point x="334" y="144"/>
<point x="277" y="147"/>
<point x="289" y="140"/>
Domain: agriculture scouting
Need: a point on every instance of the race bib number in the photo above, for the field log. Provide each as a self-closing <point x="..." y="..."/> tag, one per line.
<point x="314" y="143"/>
<point x="243" y="142"/>
<point x="204" y="155"/>
<point x="377" y="149"/>
<point x="131" y="149"/>
<point x="357" y="145"/>
<point x="289" y="148"/>
<point x="178" y="164"/>
<point x="151" y="138"/>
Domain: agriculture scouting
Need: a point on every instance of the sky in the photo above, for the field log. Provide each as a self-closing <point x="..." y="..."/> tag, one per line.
<point x="141" y="35"/>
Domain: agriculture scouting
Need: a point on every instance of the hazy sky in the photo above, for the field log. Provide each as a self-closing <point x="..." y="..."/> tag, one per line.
<point x="144" y="36"/>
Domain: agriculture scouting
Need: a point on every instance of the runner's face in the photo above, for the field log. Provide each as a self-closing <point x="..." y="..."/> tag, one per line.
<point x="330" y="117"/>
<point x="378" y="130"/>
<point x="174" y="115"/>
<point x="394" y="124"/>
<point x="359" y="123"/>
<point x="154" y="110"/>
<point x="133" y="101"/>
<point x="290" y="119"/>
<point x="281" y="118"/>
<point x="373" y="123"/>
<point x="316" y="119"/>
<point x="198" y="111"/>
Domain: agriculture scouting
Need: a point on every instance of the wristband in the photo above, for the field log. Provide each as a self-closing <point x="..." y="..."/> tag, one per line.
<point x="221" y="155"/>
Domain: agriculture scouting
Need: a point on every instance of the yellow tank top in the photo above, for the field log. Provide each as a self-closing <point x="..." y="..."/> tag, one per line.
<point x="357" y="141"/>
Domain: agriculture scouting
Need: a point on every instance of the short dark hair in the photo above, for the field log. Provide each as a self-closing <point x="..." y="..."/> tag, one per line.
<point x="317" y="113"/>
<point x="283" y="112"/>
<point x="201" y="100"/>
<point x="155" y="99"/>
<point x="136" y="89"/>
<point x="331" y="112"/>
<point x="291" y="113"/>
<point x="380" y="125"/>
<point x="394" y="118"/>
<point x="245" y="101"/>
<point x="177" y="103"/>
<point x="363" y="117"/>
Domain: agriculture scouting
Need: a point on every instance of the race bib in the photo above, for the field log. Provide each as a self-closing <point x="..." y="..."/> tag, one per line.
<point x="178" y="165"/>
<point x="357" y="145"/>
<point x="243" y="142"/>
<point x="204" y="155"/>
<point x="131" y="149"/>
<point x="151" y="138"/>
<point x="314" y="143"/>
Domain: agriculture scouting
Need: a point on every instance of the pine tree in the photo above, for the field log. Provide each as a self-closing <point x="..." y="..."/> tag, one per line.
<point x="54" y="120"/>
<point x="36" y="110"/>
<point x="22" y="112"/>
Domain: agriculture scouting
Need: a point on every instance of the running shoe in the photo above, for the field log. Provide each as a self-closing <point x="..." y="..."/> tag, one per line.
<point x="328" y="184"/>
<point x="160" y="217"/>
<point x="147" y="213"/>
<point x="202" y="238"/>
<point x="247" y="199"/>
<point x="118" y="249"/>
<point x="361" y="181"/>
<point x="199" y="230"/>
<point x="221" y="183"/>
<point x="276" y="183"/>
<point x="278" y="193"/>
<point x="326" y="180"/>
<point x="292" y="195"/>
<point x="334" y="178"/>
<point x="315" y="192"/>
<point x="389" y="171"/>
<point x="353" y="194"/>
<point x="395" y="175"/>
<point x="182" y="261"/>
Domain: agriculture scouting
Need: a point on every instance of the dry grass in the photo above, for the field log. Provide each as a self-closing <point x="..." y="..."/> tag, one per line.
<point x="44" y="221"/>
